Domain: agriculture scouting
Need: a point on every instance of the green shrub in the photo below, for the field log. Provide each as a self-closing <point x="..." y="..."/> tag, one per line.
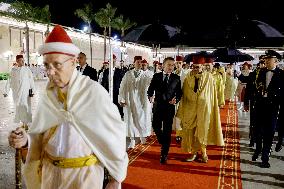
<point x="4" y="76"/>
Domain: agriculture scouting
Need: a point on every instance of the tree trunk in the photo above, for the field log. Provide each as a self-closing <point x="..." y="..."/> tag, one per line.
<point x="105" y="33"/>
<point x="27" y="43"/>
<point x="110" y="79"/>
<point x="46" y="33"/>
<point x="91" y="50"/>
<point x="121" y="53"/>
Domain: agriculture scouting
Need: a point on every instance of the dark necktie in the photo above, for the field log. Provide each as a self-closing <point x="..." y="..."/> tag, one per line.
<point x="81" y="69"/>
<point x="195" y="84"/>
<point x="166" y="79"/>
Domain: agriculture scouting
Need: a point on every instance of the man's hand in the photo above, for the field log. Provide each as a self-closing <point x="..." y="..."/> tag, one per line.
<point x="18" y="138"/>
<point x="173" y="101"/>
<point x="151" y="99"/>
<point x="113" y="184"/>
<point x="122" y="104"/>
<point x="5" y="95"/>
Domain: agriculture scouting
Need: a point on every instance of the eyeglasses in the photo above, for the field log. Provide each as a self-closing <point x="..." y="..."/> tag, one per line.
<point x="55" y="65"/>
<point x="196" y="67"/>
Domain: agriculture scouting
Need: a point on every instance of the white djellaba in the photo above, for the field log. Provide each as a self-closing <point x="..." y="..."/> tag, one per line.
<point x="21" y="81"/>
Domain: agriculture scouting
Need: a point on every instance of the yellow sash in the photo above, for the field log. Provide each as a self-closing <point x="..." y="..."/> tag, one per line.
<point x="72" y="162"/>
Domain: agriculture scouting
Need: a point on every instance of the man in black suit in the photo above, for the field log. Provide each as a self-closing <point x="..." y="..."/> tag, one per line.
<point x="268" y="99"/>
<point x="118" y="74"/>
<point x="167" y="88"/>
<point x="85" y="69"/>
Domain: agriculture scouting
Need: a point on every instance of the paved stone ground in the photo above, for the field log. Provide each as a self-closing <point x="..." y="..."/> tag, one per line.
<point x="253" y="177"/>
<point x="7" y="160"/>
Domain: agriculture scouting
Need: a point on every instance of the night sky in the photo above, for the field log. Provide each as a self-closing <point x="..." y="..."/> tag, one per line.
<point x="192" y="16"/>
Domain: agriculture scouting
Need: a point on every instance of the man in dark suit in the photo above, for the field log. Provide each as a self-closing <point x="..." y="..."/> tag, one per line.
<point x="268" y="99"/>
<point x="167" y="88"/>
<point x="118" y="74"/>
<point x="85" y="69"/>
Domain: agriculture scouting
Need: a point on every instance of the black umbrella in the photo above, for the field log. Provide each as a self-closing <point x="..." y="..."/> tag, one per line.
<point x="230" y="55"/>
<point x="156" y="34"/>
<point x="189" y="57"/>
<point x="252" y="33"/>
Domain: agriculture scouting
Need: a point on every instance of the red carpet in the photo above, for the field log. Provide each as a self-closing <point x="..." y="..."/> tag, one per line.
<point x="221" y="171"/>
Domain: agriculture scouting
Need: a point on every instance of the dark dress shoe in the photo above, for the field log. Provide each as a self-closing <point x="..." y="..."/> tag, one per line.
<point x="254" y="157"/>
<point x="178" y="139"/>
<point x="278" y="147"/>
<point x="251" y="144"/>
<point x="163" y="159"/>
<point x="264" y="165"/>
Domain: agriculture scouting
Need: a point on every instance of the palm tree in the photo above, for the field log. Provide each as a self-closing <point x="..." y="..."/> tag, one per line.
<point x="105" y="18"/>
<point x="122" y="25"/>
<point x="24" y="12"/>
<point x="87" y="15"/>
<point x="45" y="17"/>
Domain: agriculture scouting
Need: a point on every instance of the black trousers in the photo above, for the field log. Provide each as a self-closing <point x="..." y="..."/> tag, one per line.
<point x="162" y="124"/>
<point x="252" y="121"/>
<point x="266" y="114"/>
<point x="280" y="128"/>
<point x="115" y="101"/>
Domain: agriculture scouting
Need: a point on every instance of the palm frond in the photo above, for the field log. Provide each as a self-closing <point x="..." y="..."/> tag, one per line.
<point x="86" y="13"/>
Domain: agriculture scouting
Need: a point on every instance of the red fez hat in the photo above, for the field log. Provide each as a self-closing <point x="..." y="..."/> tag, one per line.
<point x="156" y="62"/>
<point x="137" y="58"/>
<point x="179" y="58"/>
<point x="19" y="56"/>
<point x="105" y="62"/>
<point x="209" y="60"/>
<point x="198" y="60"/>
<point x="144" y="61"/>
<point x="113" y="56"/>
<point x="245" y="64"/>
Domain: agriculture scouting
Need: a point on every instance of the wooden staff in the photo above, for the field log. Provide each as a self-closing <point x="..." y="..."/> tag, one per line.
<point x="18" y="163"/>
<point x="18" y="172"/>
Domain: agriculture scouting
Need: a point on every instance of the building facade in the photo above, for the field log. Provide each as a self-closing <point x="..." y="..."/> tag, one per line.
<point x="13" y="42"/>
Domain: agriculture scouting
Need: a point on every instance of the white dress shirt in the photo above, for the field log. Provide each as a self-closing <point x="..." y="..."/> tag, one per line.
<point x="269" y="75"/>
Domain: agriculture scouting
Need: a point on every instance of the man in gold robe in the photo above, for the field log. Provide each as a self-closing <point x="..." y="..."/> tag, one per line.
<point x="220" y="87"/>
<point x="199" y="112"/>
<point x="231" y="83"/>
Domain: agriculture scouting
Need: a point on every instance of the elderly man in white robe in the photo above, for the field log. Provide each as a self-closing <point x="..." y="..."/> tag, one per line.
<point x="22" y="84"/>
<point x="137" y="108"/>
<point x="69" y="141"/>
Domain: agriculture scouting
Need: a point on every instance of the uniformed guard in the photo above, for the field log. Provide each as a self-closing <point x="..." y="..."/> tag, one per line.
<point x="269" y="94"/>
<point x="249" y="98"/>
